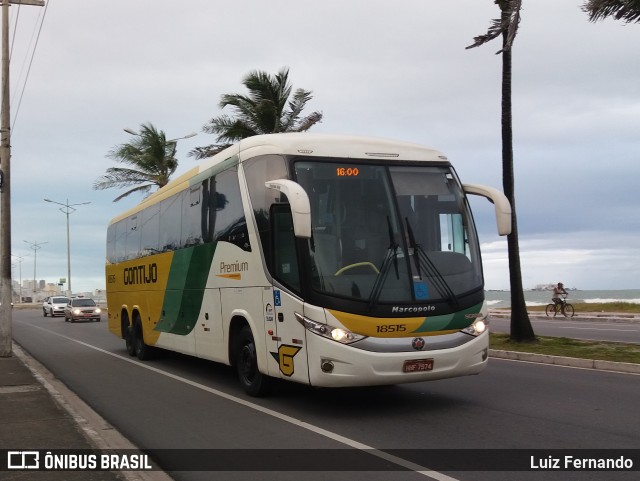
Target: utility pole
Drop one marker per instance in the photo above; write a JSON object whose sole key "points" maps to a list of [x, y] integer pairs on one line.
{"points": [[5, 185]]}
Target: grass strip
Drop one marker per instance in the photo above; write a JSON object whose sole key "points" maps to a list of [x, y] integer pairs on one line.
{"points": [[563, 346]]}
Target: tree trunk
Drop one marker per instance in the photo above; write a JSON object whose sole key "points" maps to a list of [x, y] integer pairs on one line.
{"points": [[521, 330]]}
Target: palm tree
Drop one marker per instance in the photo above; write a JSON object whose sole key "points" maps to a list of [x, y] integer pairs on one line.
{"points": [[626, 10], [151, 158], [266, 110], [507, 27]]}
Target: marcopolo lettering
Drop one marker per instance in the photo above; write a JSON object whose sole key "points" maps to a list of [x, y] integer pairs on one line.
{"points": [[415, 309], [143, 274]]}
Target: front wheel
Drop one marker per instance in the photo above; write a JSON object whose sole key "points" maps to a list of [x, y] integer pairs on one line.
{"points": [[551, 309], [568, 310], [253, 381]]}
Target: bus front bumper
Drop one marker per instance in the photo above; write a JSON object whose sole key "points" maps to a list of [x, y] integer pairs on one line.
{"points": [[332, 364]]}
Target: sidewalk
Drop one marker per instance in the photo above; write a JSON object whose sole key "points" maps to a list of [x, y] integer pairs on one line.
{"points": [[37, 412]]}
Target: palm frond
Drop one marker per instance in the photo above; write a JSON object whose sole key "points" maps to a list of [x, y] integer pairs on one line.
{"points": [[625, 10], [308, 122], [267, 108], [150, 158], [507, 23], [142, 189], [200, 153]]}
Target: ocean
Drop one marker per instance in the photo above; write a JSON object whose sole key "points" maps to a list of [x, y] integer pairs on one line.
{"points": [[537, 298]]}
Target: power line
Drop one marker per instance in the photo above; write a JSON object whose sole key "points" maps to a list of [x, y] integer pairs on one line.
{"points": [[15, 29], [33, 53]]}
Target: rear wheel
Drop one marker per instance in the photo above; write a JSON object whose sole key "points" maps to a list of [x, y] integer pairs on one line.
{"points": [[143, 351], [253, 381], [127, 334]]}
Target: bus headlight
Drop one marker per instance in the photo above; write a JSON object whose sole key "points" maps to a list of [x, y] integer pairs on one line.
{"points": [[337, 334], [477, 327]]}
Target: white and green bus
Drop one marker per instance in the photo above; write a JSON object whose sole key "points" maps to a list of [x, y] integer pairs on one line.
{"points": [[325, 260]]}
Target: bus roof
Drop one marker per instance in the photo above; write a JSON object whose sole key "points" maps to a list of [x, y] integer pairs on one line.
{"points": [[303, 143]]}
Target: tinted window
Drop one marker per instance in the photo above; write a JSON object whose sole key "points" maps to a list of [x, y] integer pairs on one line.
{"points": [[257, 172], [133, 238], [149, 226], [170, 223], [230, 224], [191, 214]]}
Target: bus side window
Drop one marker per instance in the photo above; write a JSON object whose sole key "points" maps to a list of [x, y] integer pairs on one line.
{"points": [[170, 223], [120, 249], [132, 242], [257, 171], [150, 230], [191, 208], [111, 243], [285, 261]]}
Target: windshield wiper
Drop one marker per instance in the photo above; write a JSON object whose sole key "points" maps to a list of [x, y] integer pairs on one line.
{"points": [[390, 256], [420, 257]]}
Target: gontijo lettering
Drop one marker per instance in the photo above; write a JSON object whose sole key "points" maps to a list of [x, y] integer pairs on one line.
{"points": [[142, 274]]}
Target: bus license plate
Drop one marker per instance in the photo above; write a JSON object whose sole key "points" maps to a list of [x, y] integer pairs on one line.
{"points": [[418, 365]]}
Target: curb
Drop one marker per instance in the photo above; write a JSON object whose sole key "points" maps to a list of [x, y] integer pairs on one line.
{"points": [[624, 367], [95, 428]]}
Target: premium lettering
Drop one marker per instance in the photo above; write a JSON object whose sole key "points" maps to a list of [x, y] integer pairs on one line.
{"points": [[233, 267], [142, 274]]}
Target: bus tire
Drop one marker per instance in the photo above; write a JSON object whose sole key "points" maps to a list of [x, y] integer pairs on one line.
{"points": [[127, 334], [253, 381], [143, 351]]}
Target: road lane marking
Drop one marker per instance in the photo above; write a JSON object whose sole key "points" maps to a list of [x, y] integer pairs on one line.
{"points": [[270, 412]]}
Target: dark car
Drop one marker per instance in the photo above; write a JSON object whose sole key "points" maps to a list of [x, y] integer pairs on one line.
{"points": [[54, 306], [81, 308]]}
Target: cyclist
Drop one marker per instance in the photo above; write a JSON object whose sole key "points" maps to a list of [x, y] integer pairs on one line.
{"points": [[557, 291]]}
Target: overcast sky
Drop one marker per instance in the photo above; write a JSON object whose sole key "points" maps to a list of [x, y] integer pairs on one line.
{"points": [[388, 69]]}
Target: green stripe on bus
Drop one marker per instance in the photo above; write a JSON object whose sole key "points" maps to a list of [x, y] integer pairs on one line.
{"points": [[455, 320], [185, 289]]}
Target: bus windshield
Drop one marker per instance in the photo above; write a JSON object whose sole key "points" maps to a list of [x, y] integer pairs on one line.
{"points": [[389, 234]]}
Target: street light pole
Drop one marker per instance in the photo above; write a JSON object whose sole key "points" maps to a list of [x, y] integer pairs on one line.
{"points": [[67, 209], [20, 259], [35, 246]]}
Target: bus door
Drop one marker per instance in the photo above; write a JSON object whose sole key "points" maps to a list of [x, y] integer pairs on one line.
{"points": [[287, 345]]}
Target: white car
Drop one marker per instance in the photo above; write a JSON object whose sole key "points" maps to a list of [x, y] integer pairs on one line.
{"points": [[54, 306]]}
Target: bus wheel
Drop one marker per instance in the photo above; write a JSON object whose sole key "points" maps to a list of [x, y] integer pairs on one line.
{"points": [[253, 381], [143, 351], [127, 332]]}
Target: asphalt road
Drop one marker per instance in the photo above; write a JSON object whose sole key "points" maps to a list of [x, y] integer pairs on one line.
{"points": [[601, 330], [177, 402]]}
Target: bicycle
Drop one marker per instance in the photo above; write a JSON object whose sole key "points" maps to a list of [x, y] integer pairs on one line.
{"points": [[562, 307]]}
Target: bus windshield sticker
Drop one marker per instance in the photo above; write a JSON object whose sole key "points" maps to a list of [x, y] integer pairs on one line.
{"points": [[421, 290], [276, 298]]}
